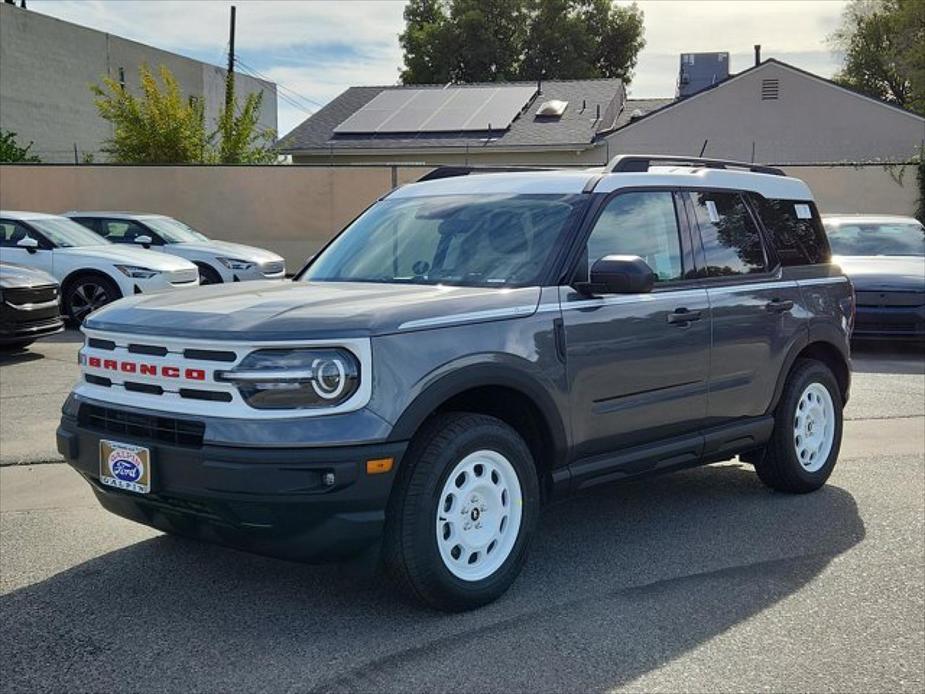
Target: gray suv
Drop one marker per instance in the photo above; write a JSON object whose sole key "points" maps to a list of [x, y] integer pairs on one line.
{"points": [[468, 349]]}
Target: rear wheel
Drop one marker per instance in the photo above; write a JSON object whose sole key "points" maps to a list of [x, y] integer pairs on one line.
{"points": [[807, 431], [463, 512], [87, 293]]}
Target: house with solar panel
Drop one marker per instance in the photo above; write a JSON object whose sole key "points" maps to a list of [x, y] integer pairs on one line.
{"points": [[771, 112]]}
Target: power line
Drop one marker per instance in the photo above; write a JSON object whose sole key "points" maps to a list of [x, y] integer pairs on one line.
{"points": [[281, 91], [255, 73]]}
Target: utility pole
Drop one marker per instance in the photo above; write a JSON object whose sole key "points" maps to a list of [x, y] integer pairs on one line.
{"points": [[229, 79]]}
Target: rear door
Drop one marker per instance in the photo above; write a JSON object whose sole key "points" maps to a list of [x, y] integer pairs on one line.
{"points": [[756, 311], [637, 364]]}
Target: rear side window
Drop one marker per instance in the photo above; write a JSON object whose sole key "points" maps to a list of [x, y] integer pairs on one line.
{"points": [[731, 240], [794, 229]]}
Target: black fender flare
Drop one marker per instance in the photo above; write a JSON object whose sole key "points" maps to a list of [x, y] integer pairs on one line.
{"points": [[506, 373], [819, 333]]}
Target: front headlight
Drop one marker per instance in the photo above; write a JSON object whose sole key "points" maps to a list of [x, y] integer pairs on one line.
{"points": [[235, 263], [274, 379], [137, 272]]}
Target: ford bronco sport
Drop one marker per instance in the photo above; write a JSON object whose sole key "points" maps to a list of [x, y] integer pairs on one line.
{"points": [[468, 348]]}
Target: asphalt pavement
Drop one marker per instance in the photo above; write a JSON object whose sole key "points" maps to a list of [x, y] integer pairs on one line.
{"points": [[699, 581]]}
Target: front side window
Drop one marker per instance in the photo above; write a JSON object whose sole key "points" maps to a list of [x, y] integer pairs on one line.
{"points": [[731, 241], [464, 240], [64, 233], [890, 238], [11, 233], [794, 229], [644, 224], [123, 230]]}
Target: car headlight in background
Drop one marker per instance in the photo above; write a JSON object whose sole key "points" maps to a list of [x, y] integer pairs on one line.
{"points": [[137, 272], [272, 379], [235, 263]]}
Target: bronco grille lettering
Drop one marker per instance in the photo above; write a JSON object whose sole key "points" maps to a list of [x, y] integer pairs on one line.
{"points": [[131, 367]]}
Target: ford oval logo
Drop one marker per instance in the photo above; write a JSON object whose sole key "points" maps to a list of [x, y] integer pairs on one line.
{"points": [[125, 470]]}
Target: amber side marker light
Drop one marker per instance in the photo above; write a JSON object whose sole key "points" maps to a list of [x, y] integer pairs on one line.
{"points": [[379, 465]]}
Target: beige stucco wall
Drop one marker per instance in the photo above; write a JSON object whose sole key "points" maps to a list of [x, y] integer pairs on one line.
{"points": [[812, 121], [293, 210]]}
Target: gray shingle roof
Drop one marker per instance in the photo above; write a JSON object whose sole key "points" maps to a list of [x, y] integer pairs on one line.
{"points": [[644, 105], [576, 128]]}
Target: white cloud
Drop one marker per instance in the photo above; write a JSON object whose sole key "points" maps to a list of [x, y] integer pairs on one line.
{"points": [[320, 48]]}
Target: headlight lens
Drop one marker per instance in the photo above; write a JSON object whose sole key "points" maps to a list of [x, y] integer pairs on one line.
{"points": [[274, 379], [137, 272], [235, 263]]}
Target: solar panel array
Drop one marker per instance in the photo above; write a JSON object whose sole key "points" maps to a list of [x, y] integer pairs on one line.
{"points": [[439, 110]]}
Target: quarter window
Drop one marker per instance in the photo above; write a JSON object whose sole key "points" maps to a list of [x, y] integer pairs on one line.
{"points": [[731, 241], [794, 229], [644, 224]]}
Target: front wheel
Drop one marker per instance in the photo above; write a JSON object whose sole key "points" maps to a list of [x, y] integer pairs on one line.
{"points": [[463, 512], [807, 431], [86, 293]]}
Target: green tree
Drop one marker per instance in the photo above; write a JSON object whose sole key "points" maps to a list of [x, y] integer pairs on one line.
{"points": [[883, 42], [12, 153], [162, 126], [489, 40]]}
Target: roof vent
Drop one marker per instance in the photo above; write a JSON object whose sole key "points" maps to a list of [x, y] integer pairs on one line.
{"points": [[637, 113], [554, 107], [770, 89]]}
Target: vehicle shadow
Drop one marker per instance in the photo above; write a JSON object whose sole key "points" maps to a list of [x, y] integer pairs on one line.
{"points": [[34, 351], [621, 580], [23, 356], [888, 357]]}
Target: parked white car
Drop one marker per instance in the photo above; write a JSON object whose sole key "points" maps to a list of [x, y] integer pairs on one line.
{"points": [[218, 261], [92, 271]]}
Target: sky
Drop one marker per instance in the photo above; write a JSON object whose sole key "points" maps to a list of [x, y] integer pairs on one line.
{"points": [[315, 49]]}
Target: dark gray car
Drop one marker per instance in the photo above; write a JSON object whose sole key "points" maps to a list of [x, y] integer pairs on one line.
{"points": [[466, 350]]}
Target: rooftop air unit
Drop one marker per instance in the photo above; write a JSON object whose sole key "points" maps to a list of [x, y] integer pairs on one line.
{"points": [[701, 70]]}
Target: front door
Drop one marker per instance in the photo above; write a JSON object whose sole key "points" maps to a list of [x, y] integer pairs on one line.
{"points": [[638, 363], [11, 233]]}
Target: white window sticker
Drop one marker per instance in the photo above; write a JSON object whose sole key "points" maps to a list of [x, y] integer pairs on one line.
{"points": [[712, 211], [803, 211]]}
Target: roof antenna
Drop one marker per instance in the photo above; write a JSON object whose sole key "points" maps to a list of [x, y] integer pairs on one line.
{"points": [[704, 148], [584, 105], [598, 116]]}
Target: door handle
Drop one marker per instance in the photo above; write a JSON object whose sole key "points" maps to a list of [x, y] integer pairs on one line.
{"points": [[682, 316], [778, 306]]}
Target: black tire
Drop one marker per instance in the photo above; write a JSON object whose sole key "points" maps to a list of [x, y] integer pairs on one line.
{"points": [[208, 274], [779, 465], [410, 549], [94, 288], [9, 347]]}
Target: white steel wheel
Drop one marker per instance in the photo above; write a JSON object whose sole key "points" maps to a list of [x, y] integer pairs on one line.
{"points": [[479, 514], [814, 427]]}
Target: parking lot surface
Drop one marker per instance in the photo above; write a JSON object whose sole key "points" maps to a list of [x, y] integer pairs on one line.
{"points": [[699, 581]]}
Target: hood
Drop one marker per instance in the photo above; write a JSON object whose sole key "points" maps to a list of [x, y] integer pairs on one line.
{"points": [[884, 272], [126, 255], [229, 250], [14, 276], [267, 310]]}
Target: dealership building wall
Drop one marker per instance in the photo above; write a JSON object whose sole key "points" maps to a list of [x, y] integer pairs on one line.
{"points": [[46, 69], [294, 210]]}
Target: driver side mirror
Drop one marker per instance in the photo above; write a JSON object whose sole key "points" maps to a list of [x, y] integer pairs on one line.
{"points": [[144, 240], [29, 243], [619, 274]]}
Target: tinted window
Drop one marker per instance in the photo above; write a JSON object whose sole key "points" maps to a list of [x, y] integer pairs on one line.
{"points": [[643, 224], [122, 230], [11, 233], [467, 240], [794, 229], [89, 222], [885, 238], [63, 233], [731, 242]]}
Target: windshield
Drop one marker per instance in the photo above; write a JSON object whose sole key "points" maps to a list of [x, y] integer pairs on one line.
{"points": [[63, 233], [464, 240], [173, 230], [880, 238]]}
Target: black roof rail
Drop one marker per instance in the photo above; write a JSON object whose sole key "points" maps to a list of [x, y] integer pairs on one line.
{"points": [[452, 171], [637, 163]]}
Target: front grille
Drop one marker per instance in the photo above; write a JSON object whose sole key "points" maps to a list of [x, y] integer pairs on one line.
{"points": [[178, 432], [30, 295], [897, 299]]}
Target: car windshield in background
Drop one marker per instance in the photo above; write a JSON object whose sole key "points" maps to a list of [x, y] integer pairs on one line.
{"points": [[899, 238], [484, 241], [64, 233], [174, 231]]}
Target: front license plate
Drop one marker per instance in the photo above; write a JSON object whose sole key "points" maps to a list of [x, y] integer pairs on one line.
{"points": [[125, 466]]}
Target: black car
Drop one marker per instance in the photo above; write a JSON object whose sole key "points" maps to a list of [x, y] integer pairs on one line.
{"points": [[29, 306], [885, 258]]}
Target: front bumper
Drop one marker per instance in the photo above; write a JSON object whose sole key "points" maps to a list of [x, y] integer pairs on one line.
{"points": [[298, 503], [16, 331], [890, 322]]}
